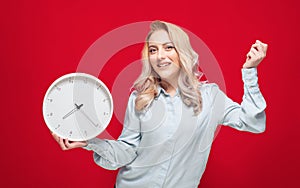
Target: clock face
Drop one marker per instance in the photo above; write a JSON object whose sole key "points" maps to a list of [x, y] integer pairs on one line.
{"points": [[77, 106]]}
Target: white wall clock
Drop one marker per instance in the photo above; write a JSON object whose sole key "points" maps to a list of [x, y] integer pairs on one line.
{"points": [[77, 106]]}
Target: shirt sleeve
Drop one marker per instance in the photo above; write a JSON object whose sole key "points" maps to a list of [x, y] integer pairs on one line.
{"points": [[250, 114], [113, 154]]}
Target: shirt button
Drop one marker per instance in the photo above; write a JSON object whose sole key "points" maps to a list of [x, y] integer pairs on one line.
{"points": [[239, 124]]}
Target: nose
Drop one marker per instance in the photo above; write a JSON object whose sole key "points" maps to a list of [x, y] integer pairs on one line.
{"points": [[161, 54]]}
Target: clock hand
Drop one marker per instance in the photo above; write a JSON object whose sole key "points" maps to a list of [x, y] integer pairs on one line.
{"points": [[78, 106], [72, 111], [88, 118], [69, 113]]}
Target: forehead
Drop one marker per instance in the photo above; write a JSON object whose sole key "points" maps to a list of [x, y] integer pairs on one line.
{"points": [[160, 36]]}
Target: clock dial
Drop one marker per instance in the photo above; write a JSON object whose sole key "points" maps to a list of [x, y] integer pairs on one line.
{"points": [[77, 106]]}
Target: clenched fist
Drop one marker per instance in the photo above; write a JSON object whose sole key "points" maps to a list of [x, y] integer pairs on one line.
{"points": [[256, 54]]}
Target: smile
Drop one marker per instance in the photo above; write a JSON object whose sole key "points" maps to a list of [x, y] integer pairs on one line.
{"points": [[164, 64]]}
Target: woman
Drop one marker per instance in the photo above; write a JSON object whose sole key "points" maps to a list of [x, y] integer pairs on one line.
{"points": [[171, 117]]}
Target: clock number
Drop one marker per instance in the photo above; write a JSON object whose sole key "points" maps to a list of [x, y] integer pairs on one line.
{"points": [[85, 81], [99, 86], [104, 100], [85, 133], [50, 114], [105, 113], [70, 133], [50, 100], [58, 88], [57, 126], [71, 80]]}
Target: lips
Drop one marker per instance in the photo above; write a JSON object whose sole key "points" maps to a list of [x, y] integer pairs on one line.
{"points": [[163, 64]]}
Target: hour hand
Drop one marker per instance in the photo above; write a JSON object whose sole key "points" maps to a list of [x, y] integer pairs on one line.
{"points": [[77, 107]]}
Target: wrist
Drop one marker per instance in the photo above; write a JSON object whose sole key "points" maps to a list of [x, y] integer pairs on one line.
{"points": [[248, 67]]}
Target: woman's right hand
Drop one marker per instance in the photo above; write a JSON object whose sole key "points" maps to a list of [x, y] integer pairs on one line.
{"points": [[65, 144], [256, 54]]}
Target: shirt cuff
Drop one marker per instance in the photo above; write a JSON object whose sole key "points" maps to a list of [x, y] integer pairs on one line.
{"points": [[249, 76], [95, 143]]}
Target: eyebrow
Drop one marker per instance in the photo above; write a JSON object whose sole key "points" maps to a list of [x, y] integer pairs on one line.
{"points": [[152, 45]]}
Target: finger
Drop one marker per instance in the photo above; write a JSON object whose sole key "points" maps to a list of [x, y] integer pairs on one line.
{"points": [[67, 143], [264, 45], [260, 53], [265, 48], [80, 144], [62, 144], [257, 48], [249, 56], [71, 145], [56, 138], [258, 41], [75, 144], [255, 45], [254, 51], [260, 48]]}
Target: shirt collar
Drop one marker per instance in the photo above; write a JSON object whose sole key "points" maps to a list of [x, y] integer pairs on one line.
{"points": [[162, 90]]}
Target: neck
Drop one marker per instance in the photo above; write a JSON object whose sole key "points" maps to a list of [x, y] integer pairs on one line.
{"points": [[170, 88]]}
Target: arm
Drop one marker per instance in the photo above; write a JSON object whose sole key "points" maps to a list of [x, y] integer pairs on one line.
{"points": [[113, 154], [250, 115]]}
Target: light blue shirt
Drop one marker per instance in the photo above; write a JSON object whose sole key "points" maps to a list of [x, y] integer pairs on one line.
{"points": [[167, 146]]}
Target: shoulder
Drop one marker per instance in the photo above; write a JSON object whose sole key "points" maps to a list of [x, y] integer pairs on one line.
{"points": [[132, 96], [130, 107], [211, 93], [209, 88]]}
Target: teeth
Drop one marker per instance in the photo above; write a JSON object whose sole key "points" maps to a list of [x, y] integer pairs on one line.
{"points": [[163, 64]]}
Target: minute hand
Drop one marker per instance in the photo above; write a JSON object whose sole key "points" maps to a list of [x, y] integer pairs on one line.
{"points": [[88, 118]]}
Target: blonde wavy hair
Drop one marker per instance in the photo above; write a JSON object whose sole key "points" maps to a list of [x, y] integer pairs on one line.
{"points": [[188, 81]]}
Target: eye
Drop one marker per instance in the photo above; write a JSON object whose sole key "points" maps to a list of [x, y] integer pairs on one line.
{"points": [[169, 48], [152, 50]]}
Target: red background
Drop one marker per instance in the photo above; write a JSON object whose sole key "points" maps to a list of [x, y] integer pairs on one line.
{"points": [[42, 40]]}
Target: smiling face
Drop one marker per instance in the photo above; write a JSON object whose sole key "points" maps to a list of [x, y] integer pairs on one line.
{"points": [[163, 57]]}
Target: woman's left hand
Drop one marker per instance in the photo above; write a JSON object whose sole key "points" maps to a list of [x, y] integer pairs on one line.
{"points": [[256, 54], [66, 144]]}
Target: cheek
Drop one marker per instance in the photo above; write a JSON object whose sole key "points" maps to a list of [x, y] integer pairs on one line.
{"points": [[152, 60], [175, 58]]}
